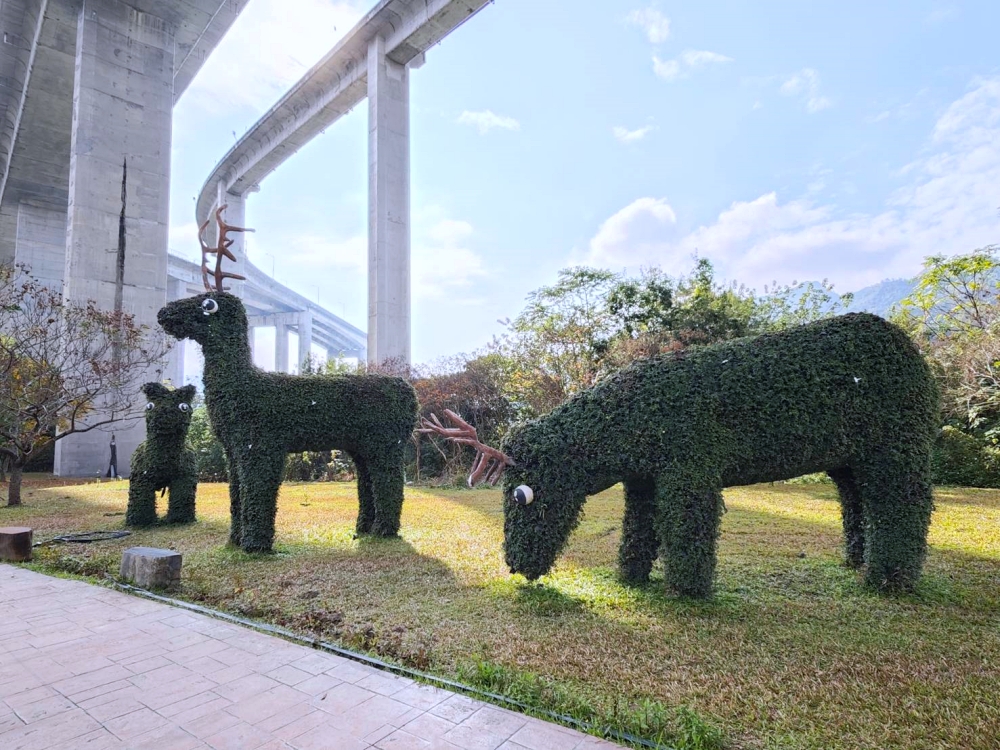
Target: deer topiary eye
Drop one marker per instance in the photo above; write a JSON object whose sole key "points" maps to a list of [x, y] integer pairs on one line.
{"points": [[524, 495], [183, 407], [150, 405], [209, 306]]}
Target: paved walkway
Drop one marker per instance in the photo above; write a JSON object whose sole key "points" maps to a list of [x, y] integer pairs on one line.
{"points": [[87, 668]]}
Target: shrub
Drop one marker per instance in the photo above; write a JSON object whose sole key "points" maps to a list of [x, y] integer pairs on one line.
{"points": [[962, 459]]}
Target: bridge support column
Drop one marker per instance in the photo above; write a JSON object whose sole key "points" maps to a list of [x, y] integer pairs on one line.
{"points": [[388, 208], [175, 358], [280, 347], [235, 215], [122, 107], [305, 337]]}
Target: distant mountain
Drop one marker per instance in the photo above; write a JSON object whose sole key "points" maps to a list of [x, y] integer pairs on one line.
{"points": [[881, 298]]}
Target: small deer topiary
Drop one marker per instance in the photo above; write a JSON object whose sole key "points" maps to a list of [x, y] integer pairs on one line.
{"points": [[163, 462], [850, 396], [260, 417]]}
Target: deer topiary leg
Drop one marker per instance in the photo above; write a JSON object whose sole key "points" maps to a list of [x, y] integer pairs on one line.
{"points": [[387, 483], [640, 539], [180, 508], [141, 509], [689, 526], [260, 478], [897, 496], [235, 499], [852, 514], [366, 497]]}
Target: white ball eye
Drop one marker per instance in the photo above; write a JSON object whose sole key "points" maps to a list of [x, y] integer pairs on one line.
{"points": [[209, 306], [524, 495], [183, 407], [150, 405]]}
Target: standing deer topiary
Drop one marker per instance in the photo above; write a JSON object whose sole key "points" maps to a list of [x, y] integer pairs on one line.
{"points": [[850, 396], [163, 461], [260, 417]]}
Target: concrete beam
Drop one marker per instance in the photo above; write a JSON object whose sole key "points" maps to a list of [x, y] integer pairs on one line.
{"points": [[281, 348]]}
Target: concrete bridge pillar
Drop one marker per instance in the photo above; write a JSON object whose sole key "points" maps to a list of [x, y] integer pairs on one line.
{"points": [[280, 347], [235, 215], [388, 208], [305, 337], [176, 289], [122, 102]]}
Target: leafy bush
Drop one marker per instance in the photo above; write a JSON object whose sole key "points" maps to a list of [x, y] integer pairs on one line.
{"points": [[962, 459], [211, 459]]}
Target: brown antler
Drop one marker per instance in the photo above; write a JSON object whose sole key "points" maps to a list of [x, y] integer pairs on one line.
{"points": [[488, 460], [221, 250]]}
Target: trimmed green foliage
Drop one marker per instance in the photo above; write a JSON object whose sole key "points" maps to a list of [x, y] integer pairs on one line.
{"points": [[850, 396], [960, 459], [260, 417], [163, 461]]}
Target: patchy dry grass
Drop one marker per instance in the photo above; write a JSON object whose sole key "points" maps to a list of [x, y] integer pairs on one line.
{"points": [[791, 653]]}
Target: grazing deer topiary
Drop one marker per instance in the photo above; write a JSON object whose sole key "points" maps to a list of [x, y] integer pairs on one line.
{"points": [[260, 417], [850, 396], [163, 462]]}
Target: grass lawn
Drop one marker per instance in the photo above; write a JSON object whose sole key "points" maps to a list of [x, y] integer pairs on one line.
{"points": [[791, 653]]}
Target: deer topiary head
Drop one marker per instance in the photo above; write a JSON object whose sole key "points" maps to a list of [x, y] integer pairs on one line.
{"points": [[214, 319]]}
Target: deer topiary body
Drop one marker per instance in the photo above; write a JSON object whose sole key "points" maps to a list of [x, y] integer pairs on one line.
{"points": [[850, 396], [163, 462], [260, 417]]}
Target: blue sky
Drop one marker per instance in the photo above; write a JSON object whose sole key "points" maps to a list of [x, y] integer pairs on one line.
{"points": [[783, 140]]}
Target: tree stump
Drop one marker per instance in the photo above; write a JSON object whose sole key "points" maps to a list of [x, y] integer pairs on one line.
{"points": [[151, 568], [15, 544]]}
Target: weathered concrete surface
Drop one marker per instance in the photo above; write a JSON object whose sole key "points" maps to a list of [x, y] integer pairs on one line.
{"points": [[82, 666], [151, 568], [15, 543]]}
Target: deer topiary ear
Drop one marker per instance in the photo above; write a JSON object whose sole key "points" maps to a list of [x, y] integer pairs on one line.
{"points": [[187, 393], [155, 390]]}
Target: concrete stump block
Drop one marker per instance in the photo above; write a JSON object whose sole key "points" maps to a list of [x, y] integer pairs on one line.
{"points": [[15, 544], [148, 567]]}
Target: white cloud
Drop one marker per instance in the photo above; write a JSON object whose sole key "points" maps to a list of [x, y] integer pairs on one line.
{"points": [[182, 240], [268, 49], [624, 135], [948, 206], [653, 22], [805, 83], [486, 121], [443, 265], [688, 61]]}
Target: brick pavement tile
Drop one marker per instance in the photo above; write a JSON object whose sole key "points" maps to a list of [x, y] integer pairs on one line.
{"points": [[9, 722], [27, 697], [401, 721], [327, 736], [188, 702], [289, 675], [495, 721], [456, 709], [508, 745], [161, 676], [241, 736], [402, 740], [469, 738], [172, 738], [300, 726], [196, 651], [321, 683], [175, 691], [78, 665], [207, 666], [189, 715], [43, 709], [284, 717], [379, 734], [99, 739], [246, 687], [230, 673], [536, 735], [341, 698], [114, 709], [209, 724], [428, 726], [42, 735], [315, 663], [75, 686], [384, 683], [137, 722], [267, 704], [349, 671], [595, 743], [139, 666], [423, 697], [115, 692]]}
